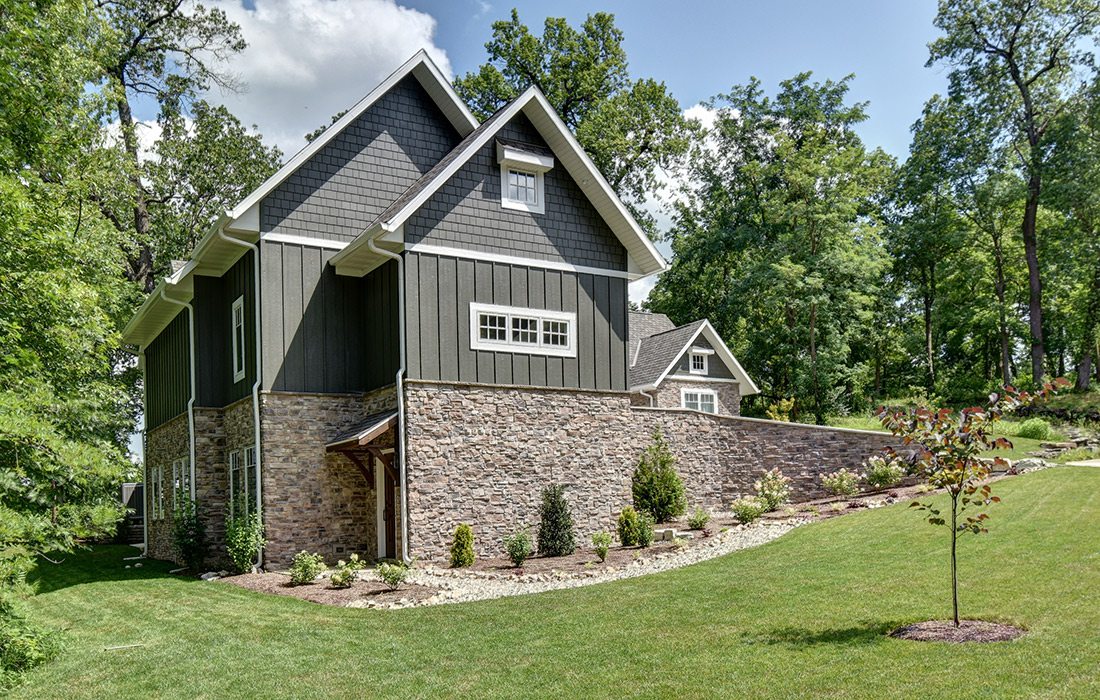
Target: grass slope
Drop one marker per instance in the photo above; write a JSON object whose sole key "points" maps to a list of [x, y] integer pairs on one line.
{"points": [[804, 616], [1021, 447]]}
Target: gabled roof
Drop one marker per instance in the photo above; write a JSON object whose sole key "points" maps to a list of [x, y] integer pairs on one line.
{"points": [[658, 354], [643, 324], [643, 258], [366, 430], [214, 254]]}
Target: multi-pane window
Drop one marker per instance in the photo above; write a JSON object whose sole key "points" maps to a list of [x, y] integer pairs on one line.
{"points": [[238, 339], [529, 331], [156, 493], [700, 400], [522, 187], [181, 481], [698, 363], [242, 480]]}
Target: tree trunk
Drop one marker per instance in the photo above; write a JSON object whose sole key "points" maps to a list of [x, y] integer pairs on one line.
{"points": [[928, 299], [1002, 315], [1089, 330], [1034, 283], [954, 566], [139, 257]]}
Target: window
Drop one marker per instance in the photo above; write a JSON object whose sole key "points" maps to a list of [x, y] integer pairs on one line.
{"points": [[181, 481], [242, 480], [238, 339], [522, 171], [156, 493], [529, 331], [698, 363], [699, 400]]}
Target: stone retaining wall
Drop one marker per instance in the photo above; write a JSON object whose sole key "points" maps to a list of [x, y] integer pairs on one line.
{"points": [[482, 455]]}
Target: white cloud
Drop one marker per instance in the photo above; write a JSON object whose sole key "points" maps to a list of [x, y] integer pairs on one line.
{"points": [[309, 59]]}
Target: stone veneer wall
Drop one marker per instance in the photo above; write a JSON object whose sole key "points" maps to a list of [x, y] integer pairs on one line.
{"points": [[481, 455], [163, 445], [667, 395], [313, 499]]}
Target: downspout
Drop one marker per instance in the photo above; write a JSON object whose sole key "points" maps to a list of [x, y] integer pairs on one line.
{"points": [[259, 374], [398, 380], [648, 396], [144, 453], [190, 401]]}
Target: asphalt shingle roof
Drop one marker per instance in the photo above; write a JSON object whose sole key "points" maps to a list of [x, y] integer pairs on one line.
{"points": [[656, 352]]}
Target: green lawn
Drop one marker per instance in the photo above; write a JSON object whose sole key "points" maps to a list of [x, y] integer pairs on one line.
{"points": [[804, 616], [1021, 447]]}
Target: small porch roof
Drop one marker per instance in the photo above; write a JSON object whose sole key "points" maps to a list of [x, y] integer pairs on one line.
{"points": [[371, 427]]}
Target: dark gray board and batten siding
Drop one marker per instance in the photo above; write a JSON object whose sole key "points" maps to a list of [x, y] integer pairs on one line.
{"points": [[439, 290], [167, 373], [348, 182], [324, 332]]}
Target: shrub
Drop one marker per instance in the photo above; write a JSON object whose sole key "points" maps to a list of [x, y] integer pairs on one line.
{"points": [[635, 529], [189, 535], [393, 574], [841, 482], [244, 536], [23, 646], [747, 509], [698, 519], [462, 549], [601, 542], [1034, 429], [882, 472], [656, 486], [780, 410], [305, 568], [344, 575], [518, 547], [555, 523], [773, 489]]}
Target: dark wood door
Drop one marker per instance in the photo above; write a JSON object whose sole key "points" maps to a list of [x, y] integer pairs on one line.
{"points": [[389, 516]]}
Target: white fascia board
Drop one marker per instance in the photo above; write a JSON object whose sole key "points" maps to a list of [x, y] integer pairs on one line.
{"points": [[424, 70], [747, 385]]}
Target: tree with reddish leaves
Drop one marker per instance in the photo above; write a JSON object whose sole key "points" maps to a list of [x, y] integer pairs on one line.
{"points": [[947, 455]]}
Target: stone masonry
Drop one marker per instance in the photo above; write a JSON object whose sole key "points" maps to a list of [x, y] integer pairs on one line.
{"points": [[313, 499], [667, 395], [481, 455], [163, 445]]}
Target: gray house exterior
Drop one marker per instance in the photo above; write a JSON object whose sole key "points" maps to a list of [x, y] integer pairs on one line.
{"points": [[421, 320]]}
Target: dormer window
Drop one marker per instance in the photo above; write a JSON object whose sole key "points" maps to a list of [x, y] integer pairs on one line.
{"points": [[698, 360], [522, 170]]}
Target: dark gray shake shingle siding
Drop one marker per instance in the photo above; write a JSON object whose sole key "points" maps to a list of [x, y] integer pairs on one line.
{"points": [[345, 185], [439, 291], [213, 303], [324, 332], [466, 213], [167, 373], [715, 366]]}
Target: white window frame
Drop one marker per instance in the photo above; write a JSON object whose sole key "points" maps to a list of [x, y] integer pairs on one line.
{"points": [[241, 463], [699, 394], [520, 161], [512, 313], [236, 319], [156, 493], [181, 480], [703, 357]]}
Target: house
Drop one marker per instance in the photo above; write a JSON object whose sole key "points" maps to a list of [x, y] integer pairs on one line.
{"points": [[687, 366], [422, 320]]}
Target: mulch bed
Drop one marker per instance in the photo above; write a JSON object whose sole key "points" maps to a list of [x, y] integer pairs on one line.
{"points": [[584, 559], [967, 631], [322, 592]]}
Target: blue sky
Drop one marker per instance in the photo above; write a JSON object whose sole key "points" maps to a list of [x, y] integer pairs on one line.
{"points": [[702, 48]]}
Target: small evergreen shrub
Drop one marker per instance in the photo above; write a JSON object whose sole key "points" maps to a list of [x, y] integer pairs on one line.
{"points": [[747, 509], [305, 568], [881, 472], [244, 537], [462, 549], [841, 482], [189, 535], [555, 523], [519, 547], [656, 487], [1034, 429], [698, 519], [601, 542], [773, 489], [635, 529], [345, 572], [393, 574]]}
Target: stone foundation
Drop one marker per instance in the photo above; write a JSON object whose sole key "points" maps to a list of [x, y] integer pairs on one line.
{"points": [[668, 395], [163, 445], [481, 455], [313, 499]]}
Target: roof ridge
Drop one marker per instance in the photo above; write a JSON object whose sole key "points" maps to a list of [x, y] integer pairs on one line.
{"points": [[677, 328]]}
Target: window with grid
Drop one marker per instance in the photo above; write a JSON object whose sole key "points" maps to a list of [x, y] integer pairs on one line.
{"points": [[529, 331], [181, 481], [700, 401], [238, 487], [238, 339], [698, 363], [522, 187]]}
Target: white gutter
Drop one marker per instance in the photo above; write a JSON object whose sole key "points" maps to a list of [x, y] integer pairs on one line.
{"points": [[259, 374], [190, 401], [398, 380]]}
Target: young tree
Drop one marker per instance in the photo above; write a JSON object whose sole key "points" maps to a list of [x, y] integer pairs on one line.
{"points": [[1017, 64], [948, 450], [631, 129], [656, 487]]}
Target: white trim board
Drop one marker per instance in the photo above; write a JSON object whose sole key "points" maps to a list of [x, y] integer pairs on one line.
{"points": [[721, 350], [516, 260], [304, 240]]}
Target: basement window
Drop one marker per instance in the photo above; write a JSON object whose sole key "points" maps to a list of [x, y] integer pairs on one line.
{"points": [[238, 339], [703, 400], [521, 330]]}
